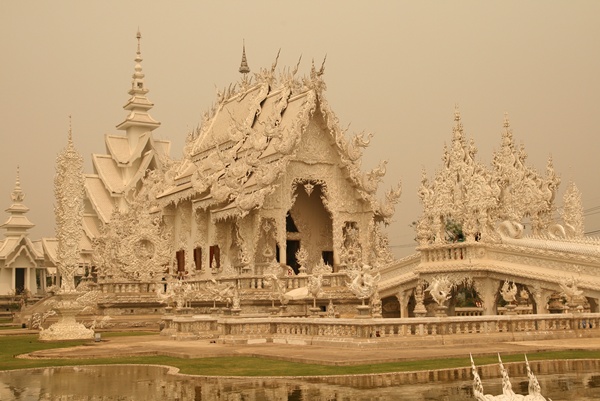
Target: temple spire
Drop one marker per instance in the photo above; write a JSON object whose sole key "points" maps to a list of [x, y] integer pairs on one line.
{"points": [[17, 223], [458, 127], [138, 120], [244, 69], [17, 194]]}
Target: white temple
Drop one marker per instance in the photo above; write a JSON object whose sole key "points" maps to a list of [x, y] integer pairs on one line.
{"points": [[269, 205], [23, 262]]}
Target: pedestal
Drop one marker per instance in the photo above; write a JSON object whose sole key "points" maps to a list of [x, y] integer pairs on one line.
{"points": [[420, 310], [441, 311], [364, 312], [314, 311], [67, 328], [235, 311], [510, 310]]}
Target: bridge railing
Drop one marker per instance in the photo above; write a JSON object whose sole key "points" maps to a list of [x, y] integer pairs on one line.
{"points": [[339, 330]]}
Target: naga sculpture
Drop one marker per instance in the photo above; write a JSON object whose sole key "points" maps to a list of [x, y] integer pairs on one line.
{"points": [[439, 289], [534, 390], [364, 281]]}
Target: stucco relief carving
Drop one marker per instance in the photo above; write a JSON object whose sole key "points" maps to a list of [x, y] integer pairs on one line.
{"points": [[68, 211], [133, 246]]}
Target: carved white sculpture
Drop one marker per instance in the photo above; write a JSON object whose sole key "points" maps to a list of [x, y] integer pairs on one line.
{"points": [[534, 390], [363, 281], [440, 288], [509, 292], [134, 246], [477, 198], [68, 189]]}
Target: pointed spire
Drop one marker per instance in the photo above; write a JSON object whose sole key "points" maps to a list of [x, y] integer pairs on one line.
{"points": [[17, 223], [70, 136], [244, 69], [137, 85], [138, 120], [458, 127], [17, 194]]}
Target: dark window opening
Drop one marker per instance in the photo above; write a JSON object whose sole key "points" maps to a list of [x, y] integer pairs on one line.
{"points": [[180, 257], [198, 258], [292, 247], [215, 257], [290, 226], [327, 257]]}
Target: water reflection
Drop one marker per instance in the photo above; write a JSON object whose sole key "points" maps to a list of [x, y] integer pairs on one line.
{"points": [[137, 382]]}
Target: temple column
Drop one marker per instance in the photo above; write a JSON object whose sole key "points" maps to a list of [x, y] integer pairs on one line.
{"points": [[487, 289], [403, 299], [28, 279], [337, 229], [541, 297]]}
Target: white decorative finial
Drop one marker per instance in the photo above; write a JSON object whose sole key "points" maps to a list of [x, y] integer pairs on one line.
{"points": [[139, 38], [17, 194], [70, 138], [456, 112], [506, 123]]}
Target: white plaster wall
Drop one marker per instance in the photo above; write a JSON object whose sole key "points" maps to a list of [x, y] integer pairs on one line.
{"points": [[6, 281]]}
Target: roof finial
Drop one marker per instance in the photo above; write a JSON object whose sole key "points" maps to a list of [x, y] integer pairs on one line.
{"points": [[458, 127], [139, 38], [17, 194], [506, 123], [70, 130], [137, 84], [244, 69], [322, 70], [456, 112]]}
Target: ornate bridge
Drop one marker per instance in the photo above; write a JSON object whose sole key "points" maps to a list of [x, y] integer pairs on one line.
{"points": [[542, 267]]}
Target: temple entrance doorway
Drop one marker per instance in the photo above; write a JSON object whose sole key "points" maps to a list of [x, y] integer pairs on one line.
{"points": [[19, 280], [310, 224]]}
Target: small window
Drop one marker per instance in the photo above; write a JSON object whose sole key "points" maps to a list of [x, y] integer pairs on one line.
{"points": [[198, 258], [180, 257], [215, 257]]}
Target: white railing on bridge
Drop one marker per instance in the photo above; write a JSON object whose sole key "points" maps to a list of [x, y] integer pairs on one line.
{"points": [[280, 329]]}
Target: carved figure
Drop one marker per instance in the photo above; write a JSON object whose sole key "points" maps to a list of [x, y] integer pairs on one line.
{"points": [[509, 292], [508, 394], [315, 284], [364, 282], [278, 287], [224, 292], [439, 289]]}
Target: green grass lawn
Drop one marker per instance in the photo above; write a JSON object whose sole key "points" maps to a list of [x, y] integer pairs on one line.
{"points": [[11, 346]]}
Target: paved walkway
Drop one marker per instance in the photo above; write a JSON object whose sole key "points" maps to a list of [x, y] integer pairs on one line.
{"points": [[159, 345]]}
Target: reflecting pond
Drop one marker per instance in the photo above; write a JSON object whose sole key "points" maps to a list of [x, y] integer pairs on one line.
{"points": [[559, 380]]}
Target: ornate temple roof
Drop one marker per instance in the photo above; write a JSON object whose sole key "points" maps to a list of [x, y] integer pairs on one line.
{"points": [[246, 141], [17, 242]]}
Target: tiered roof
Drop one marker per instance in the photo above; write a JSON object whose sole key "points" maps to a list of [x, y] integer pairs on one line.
{"points": [[16, 229], [118, 174]]}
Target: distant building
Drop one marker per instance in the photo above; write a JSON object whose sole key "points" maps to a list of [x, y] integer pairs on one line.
{"points": [[23, 262]]}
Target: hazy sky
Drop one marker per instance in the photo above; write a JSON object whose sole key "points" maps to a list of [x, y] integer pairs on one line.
{"points": [[393, 68]]}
